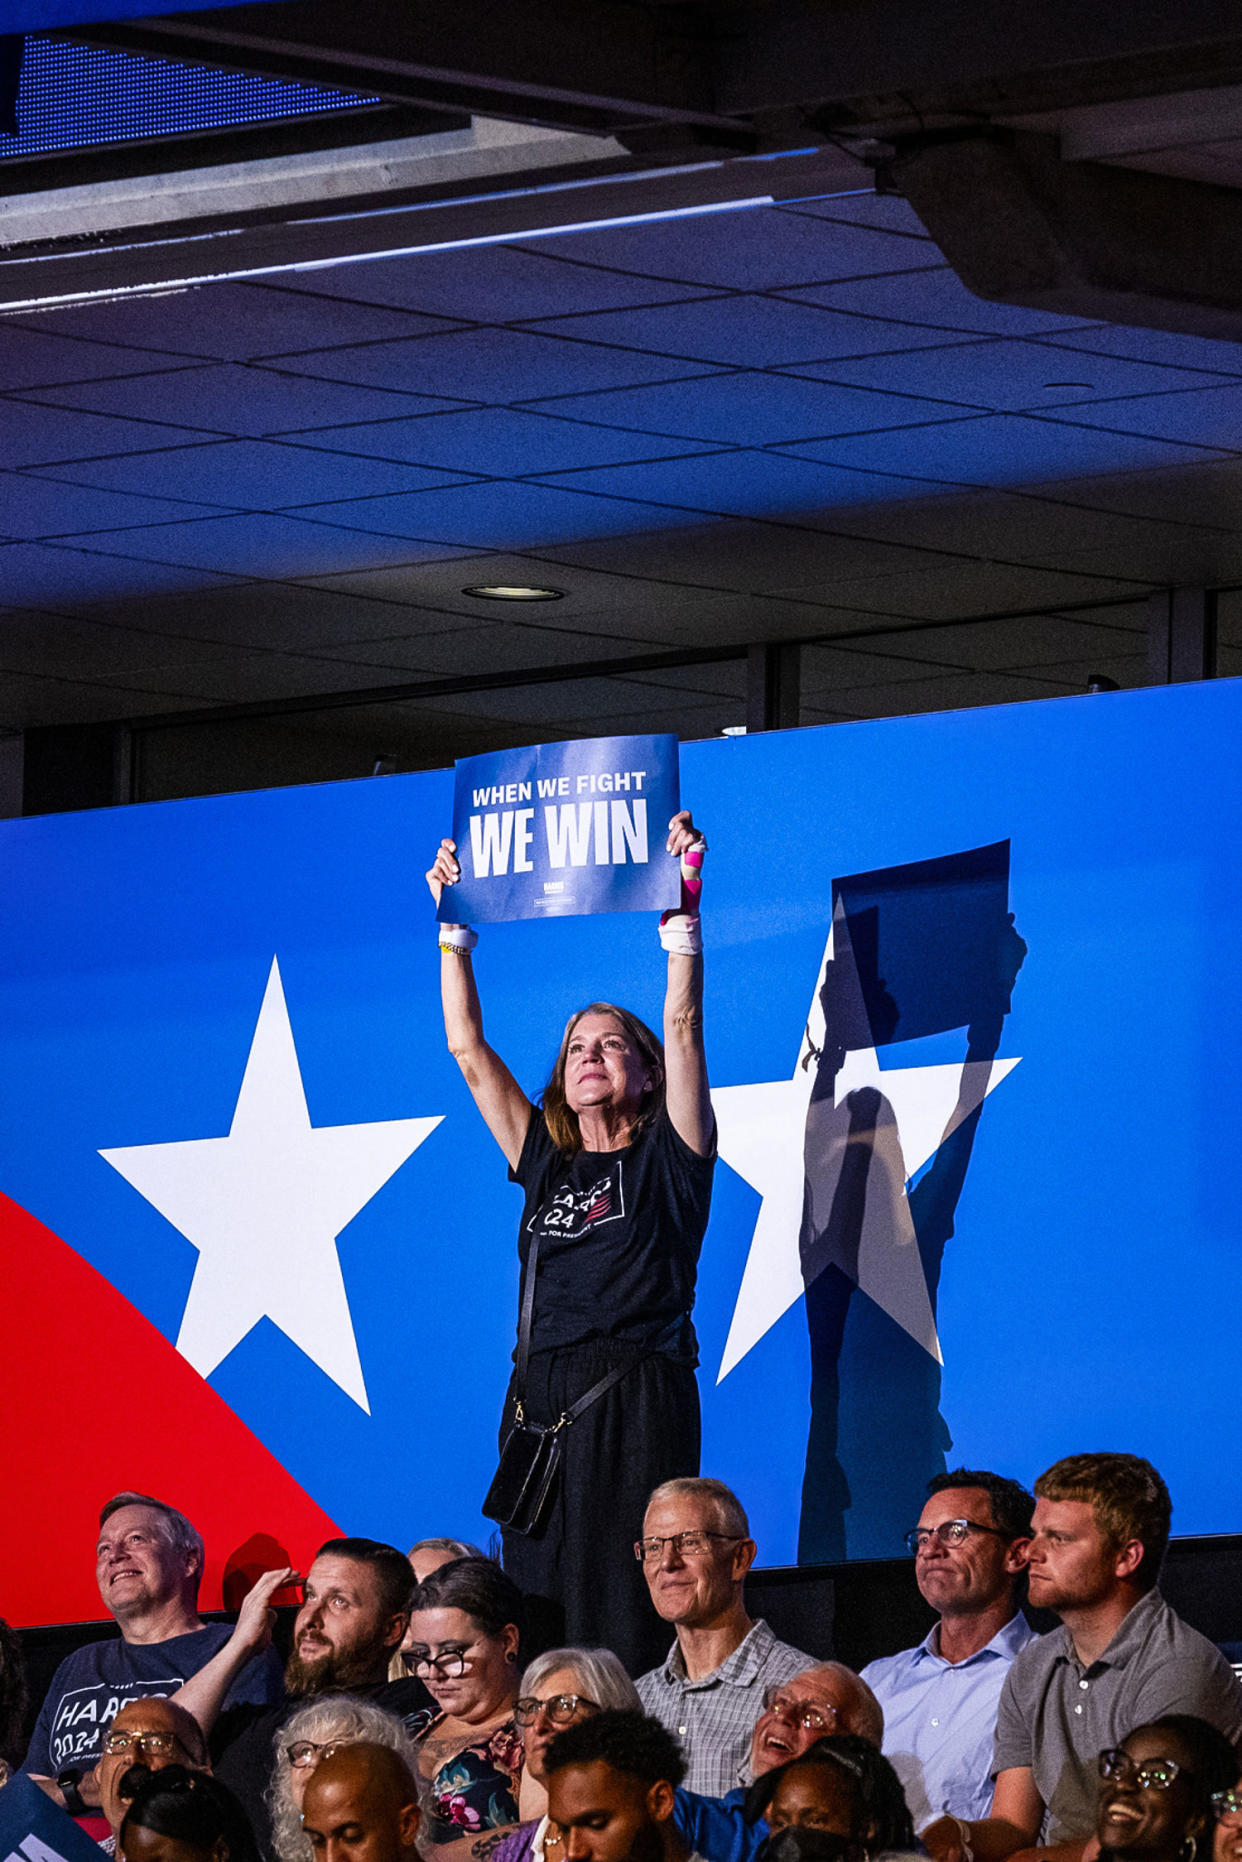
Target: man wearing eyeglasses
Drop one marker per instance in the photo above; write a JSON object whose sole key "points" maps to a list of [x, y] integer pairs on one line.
{"points": [[695, 1552], [145, 1736], [1121, 1658], [940, 1699], [827, 1699]]}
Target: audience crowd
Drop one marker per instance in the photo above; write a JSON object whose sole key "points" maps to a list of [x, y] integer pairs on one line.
{"points": [[408, 1720]]}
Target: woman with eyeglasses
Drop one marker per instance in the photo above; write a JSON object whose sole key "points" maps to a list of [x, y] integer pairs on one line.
{"points": [[615, 1161], [306, 1738], [1227, 1808], [558, 1689], [839, 1801], [1157, 1790], [465, 1634]]}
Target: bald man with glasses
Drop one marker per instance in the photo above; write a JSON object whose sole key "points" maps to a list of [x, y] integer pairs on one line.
{"points": [[695, 1551]]}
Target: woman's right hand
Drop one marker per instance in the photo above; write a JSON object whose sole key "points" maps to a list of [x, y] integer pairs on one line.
{"points": [[444, 869]]}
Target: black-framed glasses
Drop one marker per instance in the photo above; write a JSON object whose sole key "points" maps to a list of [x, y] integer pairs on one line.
{"points": [[304, 1752], [815, 1716], [685, 1544], [161, 1744], [559, 1708], [447, 1667], [1228, 1807], [1147, 1774], [948, 1532]]}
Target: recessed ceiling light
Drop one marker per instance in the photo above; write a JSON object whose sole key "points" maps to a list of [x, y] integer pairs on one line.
{"points": [[733, 730], [513, 591]]}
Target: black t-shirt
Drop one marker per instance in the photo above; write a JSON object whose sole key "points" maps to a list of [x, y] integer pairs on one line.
{"points": [[619, 1238], [243, 1744]]}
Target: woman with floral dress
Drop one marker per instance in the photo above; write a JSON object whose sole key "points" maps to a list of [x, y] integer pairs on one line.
{"points": [[465, 1632]]}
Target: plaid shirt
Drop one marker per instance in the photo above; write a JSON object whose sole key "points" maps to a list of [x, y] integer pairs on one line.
{"points": [[715, 1717]]}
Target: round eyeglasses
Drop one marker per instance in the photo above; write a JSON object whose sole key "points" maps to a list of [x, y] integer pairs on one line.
{"points": [[447, 1667], [1228, 1808], [1147, 1774], [304, 1752], [815, 1716], [559, 1708]]}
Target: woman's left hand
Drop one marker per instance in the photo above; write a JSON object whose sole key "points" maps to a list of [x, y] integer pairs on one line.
{"points": [[682, 833]]}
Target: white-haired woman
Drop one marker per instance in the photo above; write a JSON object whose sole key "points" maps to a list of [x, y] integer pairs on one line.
{"points": [[305, 1738], [558, 1689]]}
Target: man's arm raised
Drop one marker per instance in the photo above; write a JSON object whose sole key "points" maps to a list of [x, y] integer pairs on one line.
{"points": [[501, 1101], [204, 1693]]}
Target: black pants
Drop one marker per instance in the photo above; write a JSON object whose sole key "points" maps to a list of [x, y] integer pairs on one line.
{"points": [[580, 1568]]}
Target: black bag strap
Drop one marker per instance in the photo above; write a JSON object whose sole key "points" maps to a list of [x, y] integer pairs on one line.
{"points": [[525, 1318]]}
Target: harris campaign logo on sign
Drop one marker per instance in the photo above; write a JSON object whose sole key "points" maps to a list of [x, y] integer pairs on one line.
{"points": [[261, 1253]]}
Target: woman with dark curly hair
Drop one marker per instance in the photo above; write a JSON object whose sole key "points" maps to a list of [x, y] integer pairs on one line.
{"points": [[465, 1637], [616, 1165], [841, 1790]]}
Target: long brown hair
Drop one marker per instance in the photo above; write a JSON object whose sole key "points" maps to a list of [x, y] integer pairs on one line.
{"points": [[559, 1117]]}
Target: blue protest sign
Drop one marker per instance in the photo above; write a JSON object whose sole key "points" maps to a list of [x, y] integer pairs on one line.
{"points": [[34, 1829], [562, 830]]}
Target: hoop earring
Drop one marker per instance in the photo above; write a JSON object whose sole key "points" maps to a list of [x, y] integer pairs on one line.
{"points": [[1188, 1850]]}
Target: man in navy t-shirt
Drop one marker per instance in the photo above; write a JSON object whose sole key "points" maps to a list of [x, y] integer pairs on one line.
{"points": [[148, 1564]]}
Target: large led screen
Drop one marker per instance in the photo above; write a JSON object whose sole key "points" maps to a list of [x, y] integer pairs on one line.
{"points": [[971, 1026]]}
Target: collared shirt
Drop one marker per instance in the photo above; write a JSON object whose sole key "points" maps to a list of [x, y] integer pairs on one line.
{"points": [[940, 1720], [1056, 1716], [714, 1717], [717, 1826]]}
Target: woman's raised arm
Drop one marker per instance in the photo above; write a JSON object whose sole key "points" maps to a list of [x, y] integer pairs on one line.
{"points": [[503, 1104], [688, 1096]]}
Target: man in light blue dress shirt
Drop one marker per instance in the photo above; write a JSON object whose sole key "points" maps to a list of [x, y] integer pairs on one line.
{"points": [[940, 1699]]}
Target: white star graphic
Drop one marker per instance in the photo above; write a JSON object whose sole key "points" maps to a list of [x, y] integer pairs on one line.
{"points": [[762, 1135], [265, 1205]]}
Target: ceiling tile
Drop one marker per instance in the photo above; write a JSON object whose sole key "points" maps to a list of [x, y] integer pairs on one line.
{"points": [[1205, 416], [32, 434], [256, 544], [1181, 351], [89, 649], [35, 507], [1015, 524], [998, 449], [66, 578], [888, 212], [500, 440], [756, 248], [752, 409], [233, 398], [234, 322], [261, 475], [974, 588], [742, 483], [488, 365], [742, 330], [241, 678], [748, 558], [1006, 374], [36, 355], [1009, 645], [492, 284], [295, 618], [27, 699], [1202, 491], [500, 647], [939, 299], [499, 515], [952, 692]]}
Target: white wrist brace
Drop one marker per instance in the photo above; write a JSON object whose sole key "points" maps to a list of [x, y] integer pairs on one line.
{"points": [[457, 940]]}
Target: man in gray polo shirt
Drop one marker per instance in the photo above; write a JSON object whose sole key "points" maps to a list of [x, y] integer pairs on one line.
{"points": [[696, 1549], [1120, 1659]]}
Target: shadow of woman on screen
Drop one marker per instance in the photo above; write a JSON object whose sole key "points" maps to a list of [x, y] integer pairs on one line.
{"points": [[871, 1251]]}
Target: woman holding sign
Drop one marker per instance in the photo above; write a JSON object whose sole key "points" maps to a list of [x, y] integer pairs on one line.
{"points": [[616, 1165]]}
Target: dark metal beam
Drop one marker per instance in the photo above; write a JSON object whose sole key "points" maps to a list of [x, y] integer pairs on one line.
{"points": [[1181, 635], [774, 686]]}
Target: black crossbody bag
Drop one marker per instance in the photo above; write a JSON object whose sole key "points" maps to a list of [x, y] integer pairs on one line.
{"points": [[530, 1456]]}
